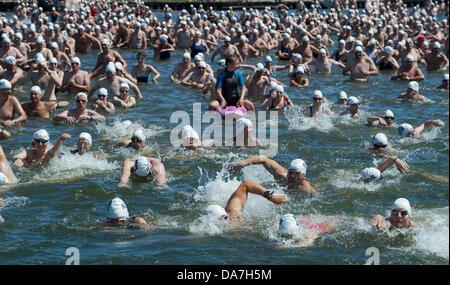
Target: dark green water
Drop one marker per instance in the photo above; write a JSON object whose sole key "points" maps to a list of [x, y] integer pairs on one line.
{"points": [[57, 206]]}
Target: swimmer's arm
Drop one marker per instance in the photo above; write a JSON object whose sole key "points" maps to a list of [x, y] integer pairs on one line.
{"points": [[16, 77], [309, 241], [418, 76], [126, 172], [333, 62], [153, 70], [294, 83], [19, 158], [238, 199], [373, 121], [122, 143], [401, 166], [426, 125], [373, 70], [93, 89], [52, 152], [445, 59], [135, 89], [266, 103], [61, 116], [378, 222], [270, 165], [17, 107], [159, 171], [24, 79], [187, 80]]}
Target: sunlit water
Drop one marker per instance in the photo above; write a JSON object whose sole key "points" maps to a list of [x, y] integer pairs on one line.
{"points": [[57, 206]]}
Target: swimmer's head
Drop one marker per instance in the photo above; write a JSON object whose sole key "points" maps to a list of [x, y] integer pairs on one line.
{"points": [[138, 136], [405, 130], [222, 63], [370, 174], [288, 226], [388, 116], [102, 93], [445, 77], [117, 210], [342, 96], [380, 141], [242, 124], [11, 60], [142, 166], [297, 171], [110, 69], [414, 86], [300, 71], [5, 87], [35, 93], [318, 96], [216, 212], [41, 139], [186, 57], [81, 96], [267, 59], [190, 136], [84, 143], [296, 57], [3, 179], [352, 101]]}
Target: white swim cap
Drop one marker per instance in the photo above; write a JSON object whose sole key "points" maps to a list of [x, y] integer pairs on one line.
{"points": [[358, 49], [18, 36], [4, 84], [105, 42], [41, 134], [227, 39], [410, 58], [222, 63], [260, 66], [189, 132], [305, 39], [271, 86], [139, 133], [81, 94], [413, 85], [3, 180], [404, 129], [36, 89], [198, 58], [142, 166], [243, 123], [300, 70], [299, 165], [279, 88], [110, 68], [296, 57], [402, 203], [352, 100], [389, 50], [216, 211], [86, 136], [380, 138], [436, 45], [358, 43], [10, 60], [342, 42], [103, 91], [118, 65], [117, 209], [370, 174], [318, 94], [445, 76], [342, 95], [388, 113], [187, 55], [288, 224], [322, 51], [202, 64], [243, 38], [268, 59], [41, 60], [39, 40], [54, 45], [53, 60]]}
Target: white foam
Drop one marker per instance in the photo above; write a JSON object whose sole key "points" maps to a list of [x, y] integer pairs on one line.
{"points": [[298, 121]]}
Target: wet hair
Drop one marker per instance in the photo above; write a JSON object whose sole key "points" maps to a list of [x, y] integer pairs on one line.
{"points": [[229, 59], [141, 54]]}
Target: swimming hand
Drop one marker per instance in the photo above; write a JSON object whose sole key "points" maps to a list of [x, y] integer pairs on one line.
{"points": [[401, 166], [278, 199], [378, 221], [18, 162], [64, 137]]}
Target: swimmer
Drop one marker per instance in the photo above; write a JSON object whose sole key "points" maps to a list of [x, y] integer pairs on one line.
{"points": [[353, 107], [435, 60], [102, 104], [289, 225], [374, 173], [316, 108], [200, 78], [163, 47], [444, 84], [9, 106], [80, 113], [236, 202], [400, 216], [106, 56], [380, 145], [409, 71], [276, 99], [257, 82], [406, 130], [294, 177], [137, 141], [412, 93], [245, 134], [112, 83], [387, 120], [12, 73], [299, 79], [143, 72], [84, 145], [124, 99], [143, 166], [227, 49], [361, 68], [191, 140], [117, 215], [39, 153], [323, 64], [386, 61], [76, 80], [341, 98], [39, 108], [182, 69], [5, 173]]}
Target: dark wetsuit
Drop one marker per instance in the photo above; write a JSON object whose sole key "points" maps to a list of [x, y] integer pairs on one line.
{"points": [[230, 83], [385, 65], [195, 49]]}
